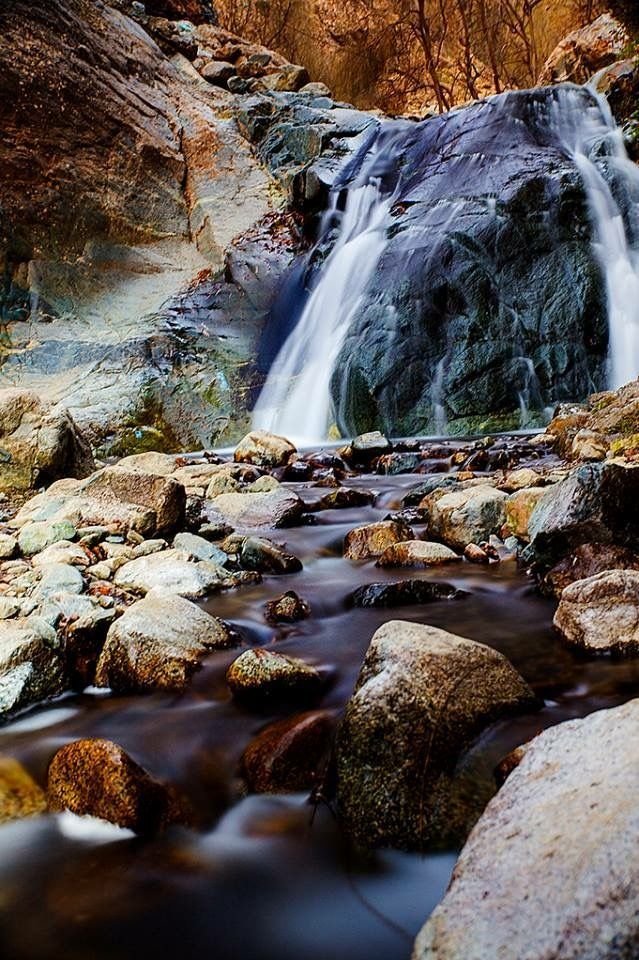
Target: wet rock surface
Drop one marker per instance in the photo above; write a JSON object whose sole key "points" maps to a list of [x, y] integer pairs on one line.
{"points": [[289, 755], [259, 675]]}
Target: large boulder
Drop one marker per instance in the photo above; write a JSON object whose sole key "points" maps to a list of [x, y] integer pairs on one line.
{"points": [[550, 868], [118, 499], [421, 698], [158, 643], [39, 443], [465, 516], [601, 614]]}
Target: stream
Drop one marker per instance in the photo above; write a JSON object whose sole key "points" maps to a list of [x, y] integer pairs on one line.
{"points": [[268, 877]]}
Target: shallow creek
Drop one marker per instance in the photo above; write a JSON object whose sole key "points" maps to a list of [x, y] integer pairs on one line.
{"points": [[266, 877]]}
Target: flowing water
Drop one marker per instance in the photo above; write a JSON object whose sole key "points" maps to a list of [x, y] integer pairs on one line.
{"points": [[296, 398], [262, 878], [611, 181]]}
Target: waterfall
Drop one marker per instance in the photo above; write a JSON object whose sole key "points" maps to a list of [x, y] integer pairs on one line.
{"points": [[295, 400], [446, 172], [594, 141]]}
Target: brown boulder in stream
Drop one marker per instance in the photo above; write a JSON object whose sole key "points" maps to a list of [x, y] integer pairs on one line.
{"points": [[97, 778], [290, 754], [421, 698], [373, 539]]}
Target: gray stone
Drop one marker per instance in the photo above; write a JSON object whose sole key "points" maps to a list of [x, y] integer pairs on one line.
{"points": [[31, 668], [158, 643], [8, 546], [275, 508], [601, 614], [550, 868], [421, 698], [35, 537], [58, 578], [199, 548], [172, 571]]}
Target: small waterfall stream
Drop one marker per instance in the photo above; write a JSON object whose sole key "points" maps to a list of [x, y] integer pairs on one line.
{"points": [[589, 136], [296, 398]]}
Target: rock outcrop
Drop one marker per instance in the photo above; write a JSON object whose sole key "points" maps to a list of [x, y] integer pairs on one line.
{"points": [[549, 869], [39, 443], [422, 696], [585, 51]]}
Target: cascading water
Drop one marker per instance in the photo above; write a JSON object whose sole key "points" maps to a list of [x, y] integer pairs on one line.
{"points": [[590, 135], [295, 400], [419, 307]]}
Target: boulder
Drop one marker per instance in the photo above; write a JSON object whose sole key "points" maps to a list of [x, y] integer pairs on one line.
{"points": [[585, 51], [172, 571], [158, 643], [596, 503], [20, 795], [465, 516], [523, 478], [373, 539], [31, 668], [118, 499], [274, 508], [346, 498], [421, 698], [417, 553], [62, 552], [260, 676], [97, 778], [264, 449], [38, 442], [289, 755], [549, 870], [601, 614], [401, 593], [199, 548], [58, 578], [35, 537], [289, 608], [586, 561]]}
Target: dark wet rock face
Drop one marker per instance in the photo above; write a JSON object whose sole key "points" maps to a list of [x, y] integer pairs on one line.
{"points": [[489, 221]]}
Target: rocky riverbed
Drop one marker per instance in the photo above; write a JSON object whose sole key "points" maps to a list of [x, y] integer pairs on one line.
{"points": [[297, 678]]}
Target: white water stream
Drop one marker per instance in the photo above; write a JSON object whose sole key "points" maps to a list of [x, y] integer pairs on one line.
{"points": [[295, 400], [587, 135]]}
